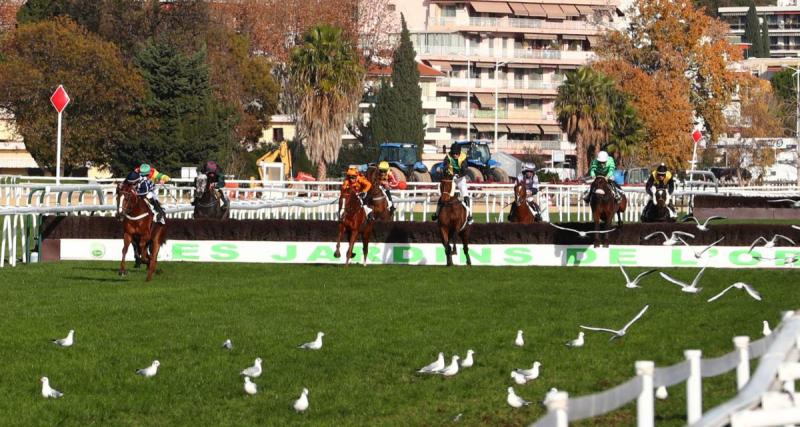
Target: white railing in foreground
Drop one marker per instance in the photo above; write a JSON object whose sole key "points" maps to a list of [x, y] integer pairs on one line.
{"points": [[777, 370]]}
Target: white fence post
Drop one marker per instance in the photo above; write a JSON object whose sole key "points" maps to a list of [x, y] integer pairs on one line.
{"points": [[694, 387], [742, 345], [645, 414], [558, 402]]}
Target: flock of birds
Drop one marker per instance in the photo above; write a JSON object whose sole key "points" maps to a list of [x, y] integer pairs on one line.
{"points": [[300, 404]]}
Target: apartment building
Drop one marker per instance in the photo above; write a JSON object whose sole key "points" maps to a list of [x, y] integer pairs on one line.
{"points": [[783, 21], [503, 62], [14, 158]]}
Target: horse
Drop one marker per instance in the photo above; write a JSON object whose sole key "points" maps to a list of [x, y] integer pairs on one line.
{"points": [[604, 206], [139, 228], [353, 222], [658, 211], [524, 212], [452, 221], [378, 200], [207, 203]]}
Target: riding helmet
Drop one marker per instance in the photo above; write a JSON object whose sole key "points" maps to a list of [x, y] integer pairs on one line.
{"points": [[661, 169], [144, 169], [455, 149], [352, 171], [528, 167], [132, 177], [383, 166], [602, 157]]}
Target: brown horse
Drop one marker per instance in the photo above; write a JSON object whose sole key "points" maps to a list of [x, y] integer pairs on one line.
{"points": [[138, 227], [522, 211], [376, 196], [604, 207], [353, 222], [452, 221], [658, 211]]}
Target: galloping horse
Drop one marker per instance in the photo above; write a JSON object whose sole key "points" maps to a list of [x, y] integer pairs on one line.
{"points": [[354, 221], [207, 204], [604, 206], [452, 220], [138, 227], [377, 196], [659, 211], [524, 212]]}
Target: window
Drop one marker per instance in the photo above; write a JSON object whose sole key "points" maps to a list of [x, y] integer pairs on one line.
{"points": [[277, 134], [449, 11], [391, 7]]}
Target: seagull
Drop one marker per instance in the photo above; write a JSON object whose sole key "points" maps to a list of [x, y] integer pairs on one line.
{"points": [[451, 369], [685, 287], [468, 361], [771, 243], [250, 387], [635, 283], [519, 378], [577, 342], [704, 225], [532, 373], [582, 233], [67, 341], [739, 285], [314, 345], [514, 400], [661, 393], [432, 368], [672, 239], [457, 418], [47, 391], [796, 227], [549, 395], [253, 371], [700, 254], [227, 345], [620, 333], [766, 330], [795, 203], [786, 260], [519, 341], [301, 404], [149, 371]]}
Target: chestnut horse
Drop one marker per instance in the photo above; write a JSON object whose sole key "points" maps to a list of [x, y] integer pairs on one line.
{"points": [[604, 207], [377, 198], [138, 227], [452, 221], [524, 212], [353, 222]]}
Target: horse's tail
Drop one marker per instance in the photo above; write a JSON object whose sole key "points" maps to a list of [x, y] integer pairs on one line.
{"points": [[160, 233]]}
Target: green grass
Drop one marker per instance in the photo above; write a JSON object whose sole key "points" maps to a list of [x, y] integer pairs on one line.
{"points": [[381, 324]]}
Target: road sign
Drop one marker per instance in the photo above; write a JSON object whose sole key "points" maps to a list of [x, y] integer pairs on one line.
{"points": [[697, 136], [60, 99]]}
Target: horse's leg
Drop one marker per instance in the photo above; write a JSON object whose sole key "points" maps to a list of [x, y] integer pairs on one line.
{"points": [[465, 242], [608, 226], [337, 254], [596, 218], [137, 257], [443, 232], [353, 237], [365, 242], [143, 250], [151, 266], [126, 241]]}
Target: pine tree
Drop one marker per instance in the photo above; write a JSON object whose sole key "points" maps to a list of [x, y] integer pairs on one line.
{"points": [[751, 31], [764, 38]]}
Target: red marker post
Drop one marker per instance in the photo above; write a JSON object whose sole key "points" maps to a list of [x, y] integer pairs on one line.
{"points": [[696, 137], [59, 99]]}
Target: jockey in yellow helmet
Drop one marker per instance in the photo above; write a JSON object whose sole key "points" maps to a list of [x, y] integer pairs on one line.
{"points": [[388, 180]]}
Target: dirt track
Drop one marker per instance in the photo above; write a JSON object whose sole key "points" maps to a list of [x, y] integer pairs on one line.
{"points": [[403, 232]]}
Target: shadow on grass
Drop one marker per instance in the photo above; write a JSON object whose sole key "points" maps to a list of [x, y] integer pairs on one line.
{"points": [[115, 279]]}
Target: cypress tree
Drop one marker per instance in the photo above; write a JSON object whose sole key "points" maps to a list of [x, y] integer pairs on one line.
{"points": [[764, 38], [752, 32]]}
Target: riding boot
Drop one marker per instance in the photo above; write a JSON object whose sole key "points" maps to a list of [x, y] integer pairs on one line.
{"points": [[587, 195], [225, 202], [161, 215], [435, 216], [389, 198], [468, 205], [513, 215]]}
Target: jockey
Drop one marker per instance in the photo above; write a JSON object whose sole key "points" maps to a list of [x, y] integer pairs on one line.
{"points": [[455, 165], [660, 178], [527, 177], [604, 165], [361, 185], [214, 173], [388, 180], [146, 187]]}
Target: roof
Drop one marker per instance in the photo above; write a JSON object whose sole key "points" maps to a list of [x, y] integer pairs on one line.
{"points": [[386, 70]]}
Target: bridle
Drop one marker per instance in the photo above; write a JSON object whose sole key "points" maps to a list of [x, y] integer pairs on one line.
{"points": [[124, 209]]}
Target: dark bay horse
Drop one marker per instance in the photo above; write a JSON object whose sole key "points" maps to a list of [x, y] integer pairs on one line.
{"points": [[604, 207], [353, 222], [658, 211], [522, 211], [452, 221], [377, 198], [139, 228], [207, 203]]}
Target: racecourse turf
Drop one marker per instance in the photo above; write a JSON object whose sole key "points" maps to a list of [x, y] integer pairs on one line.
{"points": [[382, 323]]}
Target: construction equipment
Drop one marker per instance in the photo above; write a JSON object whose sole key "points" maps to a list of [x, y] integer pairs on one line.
{"points": [[270, 161]]}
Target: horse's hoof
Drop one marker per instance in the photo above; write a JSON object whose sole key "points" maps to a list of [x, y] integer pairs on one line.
{"points": [[352, 256], [606, 245], [596, 245], [122, 273], [337, 254]]}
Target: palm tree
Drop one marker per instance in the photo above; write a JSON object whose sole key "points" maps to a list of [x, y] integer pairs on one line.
{"points": [[326, 79], [628, 129]]}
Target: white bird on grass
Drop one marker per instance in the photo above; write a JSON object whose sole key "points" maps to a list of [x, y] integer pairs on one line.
{"points": [[250, 387], [582, 233], [519, 378], [149, 371], [301, 404], [549, 395], [67, 341], [431, 368], [577, 342], [49, 392], [451, 369], [796, 227], [766, 330], [532, 373], [704, 250], [661, 393], [621, 332], [770, 243], [253, 371], [630, 284], [519, 341], [514, 400], [227, 345], [685, 287], [468, 361], [795, 203], [672, 239], [314, 345], [739, 285], [704, 225]]}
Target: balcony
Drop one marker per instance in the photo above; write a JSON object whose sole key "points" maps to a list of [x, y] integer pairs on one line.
{"points": [[520, 145], [517, 23], [474, 83], [504, 54], [502, 114], [535, 85]]}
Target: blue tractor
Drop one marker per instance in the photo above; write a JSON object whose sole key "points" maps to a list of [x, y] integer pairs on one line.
{"points": [[403, 161], [481, 166]]}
